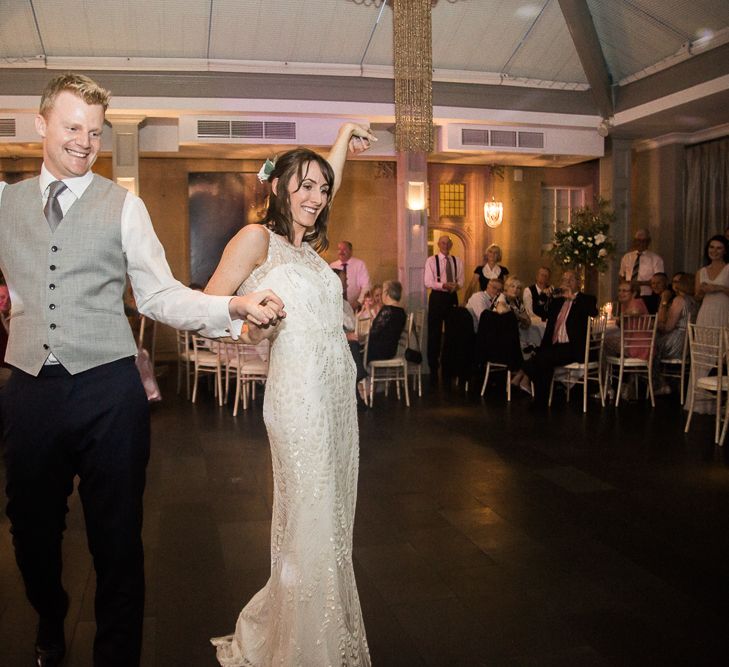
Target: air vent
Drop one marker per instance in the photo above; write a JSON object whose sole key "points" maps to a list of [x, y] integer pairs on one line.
{"points": [[280, 130], [7, 127], [213, 128], [503, 138], [531, 139], [471, 137], [246, 129]]}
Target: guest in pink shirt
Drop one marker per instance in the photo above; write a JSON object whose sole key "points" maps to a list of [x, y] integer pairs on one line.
{"points": [[629, 305]]}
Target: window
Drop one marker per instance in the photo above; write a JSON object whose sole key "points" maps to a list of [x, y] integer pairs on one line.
{"points": [[452, 200], [557, 205]]}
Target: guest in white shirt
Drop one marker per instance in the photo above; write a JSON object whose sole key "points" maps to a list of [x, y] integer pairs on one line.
{"points": [[357, 278], [443, 277], [536, 296], [484, 300], [640, 264]]}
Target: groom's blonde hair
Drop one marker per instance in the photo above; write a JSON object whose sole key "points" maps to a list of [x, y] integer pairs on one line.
{"points": [[79, 85]]}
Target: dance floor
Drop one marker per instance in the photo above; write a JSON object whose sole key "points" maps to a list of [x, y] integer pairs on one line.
{"points": [[486, 534]]}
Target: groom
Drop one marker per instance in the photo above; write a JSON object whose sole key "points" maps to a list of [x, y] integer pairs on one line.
{"points": [[74, 404]]}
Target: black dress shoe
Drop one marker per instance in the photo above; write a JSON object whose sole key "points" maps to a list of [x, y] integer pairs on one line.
{"points": [[50, 655], [50, 643]]}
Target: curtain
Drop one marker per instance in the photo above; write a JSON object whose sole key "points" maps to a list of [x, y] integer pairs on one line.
{"points": [[706, 210]]}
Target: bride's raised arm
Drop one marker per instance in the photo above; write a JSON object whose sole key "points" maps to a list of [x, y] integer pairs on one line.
{"points": [[353, 138]]}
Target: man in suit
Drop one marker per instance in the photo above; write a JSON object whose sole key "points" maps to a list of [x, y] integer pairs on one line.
{"points": [[443, 277], [74, 404], [564, 337]]}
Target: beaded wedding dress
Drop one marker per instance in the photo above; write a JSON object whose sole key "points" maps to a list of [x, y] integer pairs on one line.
{"points": [[308, 614]]}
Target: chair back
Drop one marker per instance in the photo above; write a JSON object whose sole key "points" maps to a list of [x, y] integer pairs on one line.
{"points": [[205, 352], [637, 336], [401, 344], [415, 329], [595, 338], [183, 342], [706, 345], [248, 359], [363, 328]]}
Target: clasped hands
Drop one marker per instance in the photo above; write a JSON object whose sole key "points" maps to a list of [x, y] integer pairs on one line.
{"points": [[262, 310]]}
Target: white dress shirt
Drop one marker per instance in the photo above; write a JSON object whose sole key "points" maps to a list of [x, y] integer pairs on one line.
{"points": [[358, 279], [650, 263], [528, 302], [479, 302], [430, 277], [157, 293]]}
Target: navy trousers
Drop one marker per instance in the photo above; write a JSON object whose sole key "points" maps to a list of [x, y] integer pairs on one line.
{"points": [[95, 426]]}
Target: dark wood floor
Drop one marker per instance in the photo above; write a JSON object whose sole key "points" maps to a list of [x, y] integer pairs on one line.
{"points": [[486, 534]]}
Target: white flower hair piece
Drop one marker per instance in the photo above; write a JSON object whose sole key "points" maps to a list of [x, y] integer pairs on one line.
{"points": [[266, 170]]}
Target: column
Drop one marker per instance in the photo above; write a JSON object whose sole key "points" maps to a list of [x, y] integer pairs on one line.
{"points": [[125, 150], [412, 229], [615, 172]]}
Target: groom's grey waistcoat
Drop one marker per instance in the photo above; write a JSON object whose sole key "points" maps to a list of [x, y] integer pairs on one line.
{"points": [[70, 282]]}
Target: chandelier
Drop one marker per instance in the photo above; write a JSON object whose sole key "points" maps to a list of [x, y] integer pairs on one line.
{"points": [[413, 76], [493, 211]]}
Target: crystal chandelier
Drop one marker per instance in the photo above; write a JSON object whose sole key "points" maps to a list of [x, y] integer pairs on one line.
{"points": [[493, 211], [413, 76]]}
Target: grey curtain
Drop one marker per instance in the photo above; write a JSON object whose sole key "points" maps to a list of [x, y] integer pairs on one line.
{"points": [[707, 197]]}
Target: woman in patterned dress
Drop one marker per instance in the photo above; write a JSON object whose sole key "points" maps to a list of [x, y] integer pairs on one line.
{"points": [[308, 613]]}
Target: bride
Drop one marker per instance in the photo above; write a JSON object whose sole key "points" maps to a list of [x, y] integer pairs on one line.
{"points": [[308, 613]]}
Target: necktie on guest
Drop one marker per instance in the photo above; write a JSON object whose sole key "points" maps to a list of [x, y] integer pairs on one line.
{"points": [[52, 209], [636, 268], [449, 270], [344, 282]]}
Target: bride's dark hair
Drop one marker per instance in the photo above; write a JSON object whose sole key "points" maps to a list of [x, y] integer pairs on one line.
{"points": [[294, 164]]}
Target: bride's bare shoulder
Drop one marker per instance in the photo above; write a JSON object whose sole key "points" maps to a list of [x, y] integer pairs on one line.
{"points": [[251, 240]]}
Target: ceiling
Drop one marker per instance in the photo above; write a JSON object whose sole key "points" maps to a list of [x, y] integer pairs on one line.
{"points": [[651, 67]]}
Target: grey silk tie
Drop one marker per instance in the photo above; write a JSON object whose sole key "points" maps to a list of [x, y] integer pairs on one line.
{"points": [[449, 270], [52, 209]]}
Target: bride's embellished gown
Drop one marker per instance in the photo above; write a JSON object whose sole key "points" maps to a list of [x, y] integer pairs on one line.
{"points": [[308, 614]]}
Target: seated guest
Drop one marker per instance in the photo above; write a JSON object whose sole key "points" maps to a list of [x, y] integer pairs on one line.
{"points": [[529, 336], [491, 268], [536, 296], [388, 325], [629, 304], [676, 309], [371, 304], [509, 301], [349, 326], [564, 337], [659, 284], [484, 300]]}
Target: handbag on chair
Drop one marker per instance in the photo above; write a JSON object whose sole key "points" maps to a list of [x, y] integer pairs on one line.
{"points": [[146, 372]]}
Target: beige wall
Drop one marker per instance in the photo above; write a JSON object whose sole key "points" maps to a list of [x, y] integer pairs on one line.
{"points": [[365, 214], [657, 201], [520, 235]]}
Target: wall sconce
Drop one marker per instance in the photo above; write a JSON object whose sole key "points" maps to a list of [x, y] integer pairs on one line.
{"points": [[416, 196], [493, 212], [128, 183], [416, 200]]}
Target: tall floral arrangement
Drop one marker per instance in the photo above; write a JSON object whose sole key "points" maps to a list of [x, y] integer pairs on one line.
{"points": [[586, 242]]}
